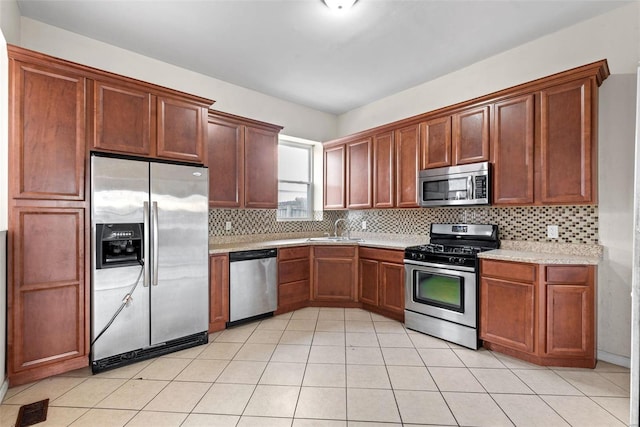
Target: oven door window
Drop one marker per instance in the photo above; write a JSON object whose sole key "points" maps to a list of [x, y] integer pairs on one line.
{"points": [[446, 189], [439, 290]]}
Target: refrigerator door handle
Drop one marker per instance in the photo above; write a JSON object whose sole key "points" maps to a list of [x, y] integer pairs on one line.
{"points": [[154, 222], [146, 240]]}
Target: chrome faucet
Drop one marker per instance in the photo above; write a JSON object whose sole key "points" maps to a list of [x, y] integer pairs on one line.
{"points": [[335, 228]]}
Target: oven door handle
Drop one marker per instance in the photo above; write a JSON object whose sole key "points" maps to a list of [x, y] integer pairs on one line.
{"points": [[438, 268]]}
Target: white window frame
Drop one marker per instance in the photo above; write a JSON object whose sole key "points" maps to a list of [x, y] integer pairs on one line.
{"points": [[294, 142]]}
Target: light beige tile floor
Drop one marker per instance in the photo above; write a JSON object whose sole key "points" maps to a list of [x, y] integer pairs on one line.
{"points": [[332, 368]]}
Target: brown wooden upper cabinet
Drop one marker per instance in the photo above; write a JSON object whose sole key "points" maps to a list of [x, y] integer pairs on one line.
{"points": [[435, 143], [384, 170], [407, 143], [513, 161], [544, 148], [131, 119], [334, 177], [567, 151], [359, 174], [456, 139], [47, 132], [242, 156]]}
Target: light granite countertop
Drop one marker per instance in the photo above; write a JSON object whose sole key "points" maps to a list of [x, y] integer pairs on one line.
{"points": [[510, 250], [223, 244], [545, 253]]}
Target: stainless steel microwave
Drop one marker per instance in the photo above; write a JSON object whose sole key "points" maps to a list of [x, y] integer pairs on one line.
{"points": [[455, 185]]}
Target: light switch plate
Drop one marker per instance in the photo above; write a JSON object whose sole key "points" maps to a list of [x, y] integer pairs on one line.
{"points": [[364, 225], [227, 225], [552, 232]]}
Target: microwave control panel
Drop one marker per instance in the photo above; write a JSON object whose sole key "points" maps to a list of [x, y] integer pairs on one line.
{"points": [[480, 187]]}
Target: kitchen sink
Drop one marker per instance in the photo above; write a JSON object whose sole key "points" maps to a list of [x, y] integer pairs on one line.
{"points": [[335, 239]]}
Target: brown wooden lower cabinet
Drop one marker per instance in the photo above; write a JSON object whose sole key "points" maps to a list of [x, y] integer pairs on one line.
{"points": [[218, 292], [293, 278], [47, 298], [381, 281], [334, 275], [544, 314]]}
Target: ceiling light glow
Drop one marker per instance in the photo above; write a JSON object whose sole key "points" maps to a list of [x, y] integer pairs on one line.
{"points": [[339, 5]]}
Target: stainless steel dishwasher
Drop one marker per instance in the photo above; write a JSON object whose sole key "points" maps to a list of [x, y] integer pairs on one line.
{"points": [[253, 285]]}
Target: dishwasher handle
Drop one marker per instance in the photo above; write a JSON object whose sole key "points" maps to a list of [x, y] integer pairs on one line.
{"points": [[255, 254]]}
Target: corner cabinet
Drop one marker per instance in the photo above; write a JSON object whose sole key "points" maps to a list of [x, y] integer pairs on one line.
{"points": [[334, 177], [359, 174], [381, 281], [48, 242], [242, 156], [334, 275], [544, 314], [407, 144]]}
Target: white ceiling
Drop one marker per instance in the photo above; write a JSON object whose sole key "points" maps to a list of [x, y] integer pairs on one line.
{"points": [[300, 51]]}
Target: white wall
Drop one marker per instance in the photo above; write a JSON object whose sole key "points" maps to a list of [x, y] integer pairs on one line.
{"points": [[616, 146], [297, 120], [614, 36]]}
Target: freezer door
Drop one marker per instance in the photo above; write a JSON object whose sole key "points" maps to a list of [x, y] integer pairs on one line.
{"points": [[180, 247], [119, 189]]}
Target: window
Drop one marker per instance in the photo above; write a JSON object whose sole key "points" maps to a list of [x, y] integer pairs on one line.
{"points": [[295, 181]]}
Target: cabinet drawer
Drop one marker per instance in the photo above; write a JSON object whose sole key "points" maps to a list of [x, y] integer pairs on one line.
{"points": [[334, 251], [567, 274], [508, 270], [388, 255], [293, 293], [293, 253], [293, 270]]}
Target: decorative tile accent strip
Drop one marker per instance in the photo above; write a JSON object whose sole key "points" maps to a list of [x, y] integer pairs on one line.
{"points": [[577, 224], [264, 221]]}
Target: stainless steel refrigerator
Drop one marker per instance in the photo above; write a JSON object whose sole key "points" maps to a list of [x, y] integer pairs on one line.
{"points": [[149, 277]]}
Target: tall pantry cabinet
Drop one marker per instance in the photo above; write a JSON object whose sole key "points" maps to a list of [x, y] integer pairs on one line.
{"points": [[59, 112], [47, 295]]}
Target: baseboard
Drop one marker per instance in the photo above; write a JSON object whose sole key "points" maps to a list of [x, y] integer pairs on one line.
{"points": [[614, 358], [3, 388]]}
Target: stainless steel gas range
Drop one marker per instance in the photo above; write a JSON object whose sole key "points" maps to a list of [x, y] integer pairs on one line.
{"points": [[441, 281]]}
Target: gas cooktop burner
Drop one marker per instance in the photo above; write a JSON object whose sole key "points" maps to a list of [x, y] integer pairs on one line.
{"points": [[464, 241]]}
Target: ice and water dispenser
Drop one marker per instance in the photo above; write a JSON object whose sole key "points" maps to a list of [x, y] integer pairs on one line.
{"points": [[118, 245]]}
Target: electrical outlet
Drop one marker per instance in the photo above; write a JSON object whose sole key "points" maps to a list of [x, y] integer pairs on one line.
{"points": [[364, 225], [552, 232], [227, 225]]}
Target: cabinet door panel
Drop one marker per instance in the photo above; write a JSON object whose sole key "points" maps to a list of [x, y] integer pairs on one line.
{"points": [[435, 143], [225, 154], [47, 133], [392, 287], [383, 171], [122, 119], [368, 281], [48, 290], [513, 151], [566, 147], [293, 294], [218, 292], [570, 322], [334, 279], [181, 130], [407, 142], [359, 174], [507, 313], [334, 177], [260, 168], [470, 136]]}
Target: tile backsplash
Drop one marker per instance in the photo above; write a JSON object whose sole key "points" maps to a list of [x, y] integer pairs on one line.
{"points": [[577, 224]]}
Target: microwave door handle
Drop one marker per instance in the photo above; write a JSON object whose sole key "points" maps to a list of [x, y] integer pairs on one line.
{"points": [[470, 192]]}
